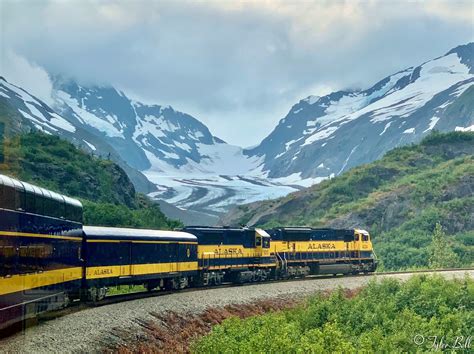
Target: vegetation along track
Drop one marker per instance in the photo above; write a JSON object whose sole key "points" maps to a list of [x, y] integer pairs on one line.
{"points": [[88, 326]]}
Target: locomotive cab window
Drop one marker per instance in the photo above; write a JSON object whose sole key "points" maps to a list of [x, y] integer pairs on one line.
{"points": [[365, 237], [266, 242], [258, 241]]}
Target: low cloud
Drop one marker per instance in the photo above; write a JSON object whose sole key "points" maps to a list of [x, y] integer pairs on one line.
{"points": [[21, 72], [237, 66]]}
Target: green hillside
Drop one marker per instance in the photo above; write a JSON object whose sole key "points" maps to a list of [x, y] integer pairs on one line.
{"points": [[399, 199], [108, 195], [388, 316]]}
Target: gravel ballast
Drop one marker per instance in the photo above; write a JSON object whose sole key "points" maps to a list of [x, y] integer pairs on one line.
{"points": [[92, 329]]}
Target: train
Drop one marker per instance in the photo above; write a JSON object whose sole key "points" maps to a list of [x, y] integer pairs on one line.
{"points": [[49, 258]]}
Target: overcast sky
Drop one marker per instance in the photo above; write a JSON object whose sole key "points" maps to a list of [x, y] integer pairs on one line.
{"points": [[236, 66]]}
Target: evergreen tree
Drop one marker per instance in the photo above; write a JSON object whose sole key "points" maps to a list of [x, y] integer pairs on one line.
{"points": [[441, 253]]}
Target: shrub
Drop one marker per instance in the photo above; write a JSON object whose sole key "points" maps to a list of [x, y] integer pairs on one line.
{"points": [[384, 317]]}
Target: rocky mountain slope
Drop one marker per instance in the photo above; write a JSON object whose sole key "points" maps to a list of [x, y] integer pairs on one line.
{"points": [[175, 158], [184, 164], [398, 198], [325, 136], [22, 112], [138, 132]]}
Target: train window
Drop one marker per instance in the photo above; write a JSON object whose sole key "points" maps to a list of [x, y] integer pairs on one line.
{"points": [[49, 203], [7, 259], [71, 208], [356, 237], [39, 204], [8, 201], [365, 237], [70, 212], [62, 209], [19, 195], [29, 198], [58, 201], [258, 241], [30, 202], [77, 213], [266, 242], [24, 260], [49, 206], [20, 200]]}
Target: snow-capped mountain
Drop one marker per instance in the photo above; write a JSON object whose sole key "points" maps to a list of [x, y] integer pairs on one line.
{"points": [[174, 157], [190, 167], [324, 136], [138, 132], [23, 111], [186, 165]]}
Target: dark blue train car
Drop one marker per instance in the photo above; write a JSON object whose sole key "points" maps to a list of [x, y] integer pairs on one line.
{"points": [[155, 258], [40, 247]]}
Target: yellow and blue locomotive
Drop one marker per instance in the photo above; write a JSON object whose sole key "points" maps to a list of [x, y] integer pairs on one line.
{"points": [[232, 254], [300, 251]]}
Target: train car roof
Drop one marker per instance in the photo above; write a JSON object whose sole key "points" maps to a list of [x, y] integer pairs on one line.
{"points": [[215, 228], [24, 186], [302, 228], [116, 233]]}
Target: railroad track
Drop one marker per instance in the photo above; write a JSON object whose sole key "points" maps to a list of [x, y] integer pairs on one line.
{"points": [[77, 306], [113, 299]]}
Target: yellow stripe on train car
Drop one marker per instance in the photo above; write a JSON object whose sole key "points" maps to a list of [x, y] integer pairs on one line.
{"points": [[22, 282], [114, 271], [226, 251], [317, 246], [25, 234]]}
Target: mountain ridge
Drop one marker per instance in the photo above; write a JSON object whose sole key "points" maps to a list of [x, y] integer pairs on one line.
{"points": [[175, 158], [416, 98]]}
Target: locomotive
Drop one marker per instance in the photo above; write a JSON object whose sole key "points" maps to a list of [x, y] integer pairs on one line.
{"points": [[48, 258]]}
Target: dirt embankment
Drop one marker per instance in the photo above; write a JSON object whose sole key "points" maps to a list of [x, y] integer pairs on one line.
{"points": [[174, 332]]}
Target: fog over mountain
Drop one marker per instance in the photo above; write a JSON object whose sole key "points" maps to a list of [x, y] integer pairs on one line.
{"points": [[236, 66]]}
